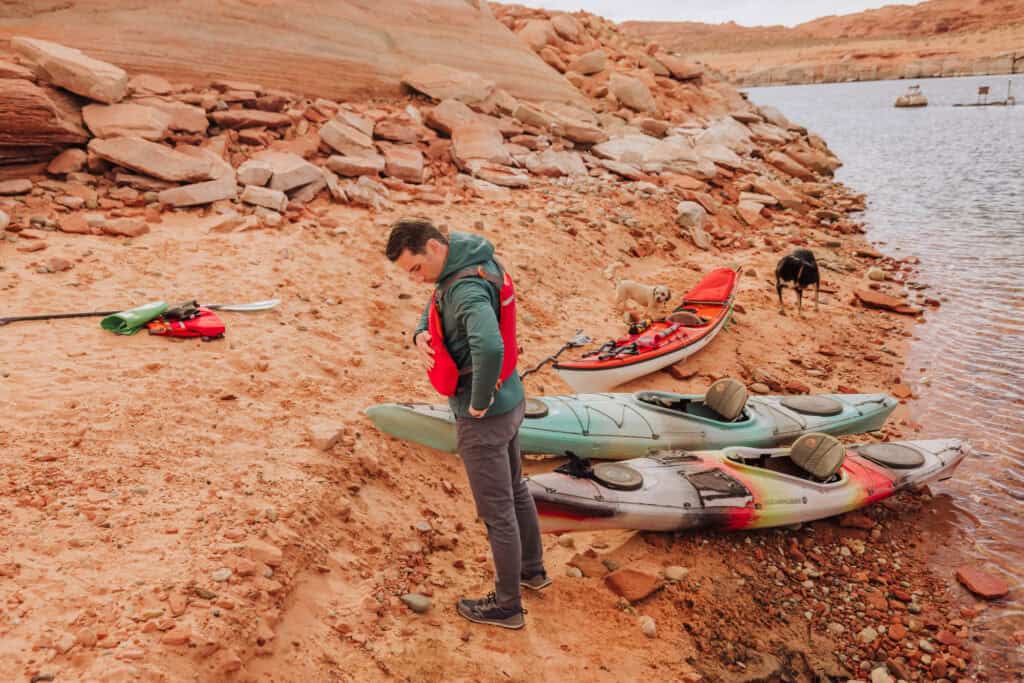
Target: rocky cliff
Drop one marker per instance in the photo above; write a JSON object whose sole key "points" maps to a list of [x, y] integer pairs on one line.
{"points": [[330, 49], [930, 39]]}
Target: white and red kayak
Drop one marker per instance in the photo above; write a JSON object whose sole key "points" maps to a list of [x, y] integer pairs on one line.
{"points": [[703, 314], [735, 488]]}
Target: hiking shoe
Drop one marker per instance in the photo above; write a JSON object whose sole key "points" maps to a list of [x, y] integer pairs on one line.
{"points": [[486, 611], [536, 582]]}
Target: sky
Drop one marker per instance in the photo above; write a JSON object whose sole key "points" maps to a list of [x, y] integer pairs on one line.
{"points": [[745, 12]]}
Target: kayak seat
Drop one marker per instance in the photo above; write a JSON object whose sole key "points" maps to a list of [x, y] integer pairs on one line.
{"points": [[813, 405], [686, 318], [775, 462], [727, 397], [820, 455], [682, 404]]}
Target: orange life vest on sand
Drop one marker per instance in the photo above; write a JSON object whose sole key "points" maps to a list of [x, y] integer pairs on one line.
{"points": [[445, 373]]}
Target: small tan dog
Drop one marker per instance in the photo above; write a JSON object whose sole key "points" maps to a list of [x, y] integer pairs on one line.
{"points": [[650, 297]]}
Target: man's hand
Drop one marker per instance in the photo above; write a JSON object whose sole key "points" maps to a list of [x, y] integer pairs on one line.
{"points": [[473, 412], [423, 346]]}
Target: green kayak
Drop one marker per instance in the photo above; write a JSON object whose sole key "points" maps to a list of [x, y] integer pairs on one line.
{"points": [[619, 426]]}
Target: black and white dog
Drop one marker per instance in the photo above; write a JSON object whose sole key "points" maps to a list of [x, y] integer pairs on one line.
{"points": [[800, 268]]}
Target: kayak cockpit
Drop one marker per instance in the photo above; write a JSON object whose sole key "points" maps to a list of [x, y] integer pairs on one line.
{"points": [[693, 406], [777, 461]]}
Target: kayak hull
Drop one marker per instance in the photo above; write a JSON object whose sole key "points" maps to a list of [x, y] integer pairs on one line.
{"points": [[597, 379], [724, 490], [621, 426], [662, 343]]}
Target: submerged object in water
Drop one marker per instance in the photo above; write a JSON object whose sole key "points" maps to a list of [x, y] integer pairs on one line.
{"points": [[912, 98]]}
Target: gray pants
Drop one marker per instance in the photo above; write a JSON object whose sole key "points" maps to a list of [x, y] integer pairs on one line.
{"points": [[489, 448]]}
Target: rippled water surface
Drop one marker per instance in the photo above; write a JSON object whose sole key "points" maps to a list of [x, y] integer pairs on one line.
{"points": [[946, 184]]}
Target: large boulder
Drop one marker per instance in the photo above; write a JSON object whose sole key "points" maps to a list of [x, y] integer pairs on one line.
{"points": [[670, 150], [632, 93], [554, 164], [276, 200], [789, 165], [72, 70], [444, 82], [290, 171], [480, 141], [590, 63], [152, 159], [783, 195], [184, 117], [630, 149], [679, 68], [354, 166], [348, 133], [38, 121], [250, 118], [537, 33], [449, 115], [776, 117], [690, 215], [729, 132], [197, 194], [719, 154], [404, 162], [816, 160], [499, 175], [126, 120], [567, 27]]}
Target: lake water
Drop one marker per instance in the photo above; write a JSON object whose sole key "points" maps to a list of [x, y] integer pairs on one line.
{"points": [[946, 184]]}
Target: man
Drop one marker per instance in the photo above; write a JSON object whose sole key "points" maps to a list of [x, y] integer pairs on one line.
{"points": [[487, 413]]}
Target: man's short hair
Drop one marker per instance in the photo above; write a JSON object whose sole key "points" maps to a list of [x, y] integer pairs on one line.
{"points": [[411, 234]]}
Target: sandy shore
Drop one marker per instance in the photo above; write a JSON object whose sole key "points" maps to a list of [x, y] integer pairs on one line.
{"points": [[224, 511], [139, 469]]}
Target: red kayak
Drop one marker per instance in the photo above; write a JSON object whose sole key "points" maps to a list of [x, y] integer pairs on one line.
{"points": [[704, 312]]}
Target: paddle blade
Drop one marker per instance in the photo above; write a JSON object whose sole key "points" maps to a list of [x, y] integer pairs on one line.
{"points": [[254, 306]]}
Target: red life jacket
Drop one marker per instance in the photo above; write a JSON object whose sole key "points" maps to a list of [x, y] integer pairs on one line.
{"points": [[445, 373], [205, 324]]}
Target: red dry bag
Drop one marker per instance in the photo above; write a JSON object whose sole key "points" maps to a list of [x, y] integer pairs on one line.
{"points": [[445, 373], [204, 323]]}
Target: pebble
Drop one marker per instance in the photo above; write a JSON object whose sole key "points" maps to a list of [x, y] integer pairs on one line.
{"points": [[881, 675], [867, 635], [676, 573], [649, 628], [416, 602], [222, 574], [574, 572], [926, 646], [566, 541], [835, 628]]}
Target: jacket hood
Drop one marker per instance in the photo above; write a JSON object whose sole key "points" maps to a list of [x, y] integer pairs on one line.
{"points": [[466, 250]]}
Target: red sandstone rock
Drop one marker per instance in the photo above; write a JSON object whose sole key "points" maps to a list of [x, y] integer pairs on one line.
{"points": [[632, 583], [152, 159], [856, 520], [38, 121], [73, 70], [982, 583]]}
